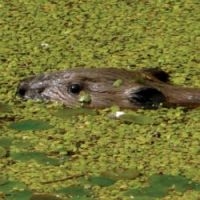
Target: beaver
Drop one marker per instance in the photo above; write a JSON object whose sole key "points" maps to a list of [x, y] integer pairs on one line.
{"points": [[104, 87]]}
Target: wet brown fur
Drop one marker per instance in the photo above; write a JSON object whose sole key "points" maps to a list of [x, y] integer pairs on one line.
{"points": [[100, 85]]}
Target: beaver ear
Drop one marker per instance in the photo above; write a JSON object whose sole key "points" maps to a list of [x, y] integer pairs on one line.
{"points": [[156, 73], [147, 97]]}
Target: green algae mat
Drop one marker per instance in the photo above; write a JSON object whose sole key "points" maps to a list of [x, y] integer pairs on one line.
{"points": [[51, 152]]}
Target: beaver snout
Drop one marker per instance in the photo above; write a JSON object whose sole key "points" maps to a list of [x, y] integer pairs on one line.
{"points": [[25, 91], [21, 91]]}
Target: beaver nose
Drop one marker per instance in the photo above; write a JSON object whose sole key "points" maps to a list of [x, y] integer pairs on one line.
{"points": [[22, 90], [27, 91]]}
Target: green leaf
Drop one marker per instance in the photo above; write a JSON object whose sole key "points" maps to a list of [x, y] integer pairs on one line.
{"points": [[33, 125], [101, 181], [160, 185], [8, 186], [38, 156], [118, 83], [19, 195], [23, 144], [180, 183], [5, 142], [121, 174], [84, 98], [44, 196], [148, 192], [75, 191]]}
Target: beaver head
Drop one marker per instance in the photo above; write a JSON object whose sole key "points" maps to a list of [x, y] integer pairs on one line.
{"points": [[104, 87]]}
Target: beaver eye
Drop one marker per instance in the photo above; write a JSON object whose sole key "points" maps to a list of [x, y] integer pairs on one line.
{"points": [[74, 88]]}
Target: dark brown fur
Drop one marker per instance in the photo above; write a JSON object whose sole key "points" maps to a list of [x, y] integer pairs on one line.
{"points": [[147, 88]]}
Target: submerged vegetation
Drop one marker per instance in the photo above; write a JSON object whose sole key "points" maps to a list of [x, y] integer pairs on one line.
{"points": [[50, 152]]}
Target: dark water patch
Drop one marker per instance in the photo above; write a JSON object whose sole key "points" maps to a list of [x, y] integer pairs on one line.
{"points": [[34, 125], [14, 190], [160, 185], [101, 181], [75, 192], [37, 156]]}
